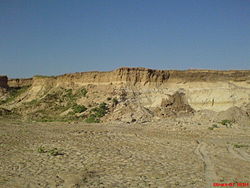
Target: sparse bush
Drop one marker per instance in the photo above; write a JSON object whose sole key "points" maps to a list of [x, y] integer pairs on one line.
{"points": [[51, 97], [226, 122], [240, 145], [33, 102], [211, 128], [115, 101], [83, 92], [41, 149], [55, 152], [215, 126], [15, 92], [68, 96], [71, 113], [92, 119], [101, 110], [79, 108], [52, 152]]}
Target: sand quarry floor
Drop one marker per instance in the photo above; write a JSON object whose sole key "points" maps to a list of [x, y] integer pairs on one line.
{"points": [[170, 153]]}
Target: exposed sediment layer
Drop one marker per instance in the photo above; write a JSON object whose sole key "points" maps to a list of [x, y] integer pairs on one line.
{"points": [[204, 89], [148, 76], [20, 82], [148, 88]]}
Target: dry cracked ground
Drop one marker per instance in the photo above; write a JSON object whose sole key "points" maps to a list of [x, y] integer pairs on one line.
{"points": [[169, 153]]}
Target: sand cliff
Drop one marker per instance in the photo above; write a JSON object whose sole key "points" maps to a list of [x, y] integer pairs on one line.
{"points": [[140, 93], [204, 89], [19, 82]]}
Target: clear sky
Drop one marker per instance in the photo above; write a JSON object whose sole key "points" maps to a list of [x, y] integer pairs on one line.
{"points": [[52, 37]]}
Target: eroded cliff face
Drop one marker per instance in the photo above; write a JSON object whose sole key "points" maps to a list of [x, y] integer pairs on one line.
{"points": [[135, 93], [20, 82], [204, 89], [144, 77]]}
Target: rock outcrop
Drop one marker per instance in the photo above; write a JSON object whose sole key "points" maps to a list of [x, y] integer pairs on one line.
{"points": [[3, 82]]}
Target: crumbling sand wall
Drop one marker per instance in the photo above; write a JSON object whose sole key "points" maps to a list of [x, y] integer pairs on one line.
{"points": [[19, 82], [144, 77], [203, 89]]}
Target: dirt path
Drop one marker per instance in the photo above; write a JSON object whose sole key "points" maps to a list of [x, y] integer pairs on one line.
{"points": [[237, 153], [209, 171]]}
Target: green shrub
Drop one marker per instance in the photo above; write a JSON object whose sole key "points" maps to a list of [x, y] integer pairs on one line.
{"points": [[115, 101], [41, 149], [215, 126], [79, 108], [52, 152], [226, 122], [68, 96], [33, 102], [101, 110], [71, 113], [83, 92], [240, 145], [55, 152], [92, 119], [14, 92]]}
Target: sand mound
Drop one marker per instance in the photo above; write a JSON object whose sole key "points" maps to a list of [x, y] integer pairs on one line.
{"points": [[234, 114], [174, 105], [129, 112]]}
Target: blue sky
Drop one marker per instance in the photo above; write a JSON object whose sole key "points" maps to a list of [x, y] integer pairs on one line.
{"points": [[61, 36]]}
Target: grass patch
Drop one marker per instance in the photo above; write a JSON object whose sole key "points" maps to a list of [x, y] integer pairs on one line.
{"points": [[41, 149], [115, 101], [92, 119], [226, 122], [97, 113], [52, 152], [55, 152], [79, 108], [240, 145], [14, 93], [100, 111], [83, 92], [33, 102], [214, 126]]}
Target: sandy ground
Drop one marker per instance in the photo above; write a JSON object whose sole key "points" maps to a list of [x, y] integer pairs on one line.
{"points": [[170, 153]]}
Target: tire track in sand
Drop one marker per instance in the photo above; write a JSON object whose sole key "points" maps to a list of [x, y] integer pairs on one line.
{"points": [[210, 175], [238, 153]]}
